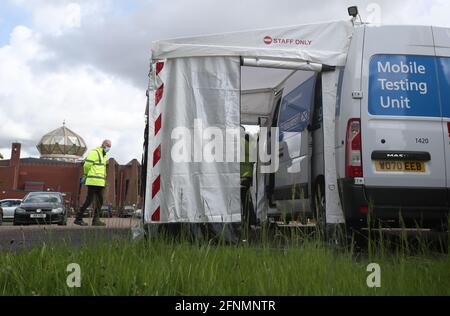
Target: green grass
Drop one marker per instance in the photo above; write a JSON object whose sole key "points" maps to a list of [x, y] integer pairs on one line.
{"points": [[162, 267]]}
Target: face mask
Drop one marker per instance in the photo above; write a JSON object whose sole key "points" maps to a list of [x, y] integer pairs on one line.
{"points": [[107, 149]]}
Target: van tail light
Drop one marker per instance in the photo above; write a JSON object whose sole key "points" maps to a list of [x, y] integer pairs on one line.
{"points": [[353, 165], [364, 209], [448, 128]]}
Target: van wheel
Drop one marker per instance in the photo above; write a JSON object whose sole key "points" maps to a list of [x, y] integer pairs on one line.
{"points": [[440, 225], [440, 228]]}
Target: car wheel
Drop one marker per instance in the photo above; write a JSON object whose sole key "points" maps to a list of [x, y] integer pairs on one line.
{"points": [[63, 221]]}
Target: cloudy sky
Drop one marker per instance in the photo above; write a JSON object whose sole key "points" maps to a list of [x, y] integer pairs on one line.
{"points": [[86, 61]]}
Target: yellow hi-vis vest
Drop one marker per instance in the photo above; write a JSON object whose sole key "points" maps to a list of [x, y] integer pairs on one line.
{"points": [[94, 168]]}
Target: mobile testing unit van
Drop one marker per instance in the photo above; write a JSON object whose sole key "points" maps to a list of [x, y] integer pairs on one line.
{"points": [[363, 118]]}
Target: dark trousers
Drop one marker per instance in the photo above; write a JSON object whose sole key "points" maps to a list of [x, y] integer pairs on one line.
{"points": [[94, 194], [248, 212]]}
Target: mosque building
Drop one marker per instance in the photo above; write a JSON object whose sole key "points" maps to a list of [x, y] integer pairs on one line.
{"points": [[60, 167]]}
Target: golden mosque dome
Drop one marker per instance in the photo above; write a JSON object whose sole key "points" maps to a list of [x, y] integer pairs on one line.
{"points": [[62, 144]]}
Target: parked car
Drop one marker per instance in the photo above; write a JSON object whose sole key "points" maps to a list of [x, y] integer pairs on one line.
{"points": [[89, 212], [41, 208], [105, 211], [127, 211], [138, 213], [71, 212], [8, 206]]}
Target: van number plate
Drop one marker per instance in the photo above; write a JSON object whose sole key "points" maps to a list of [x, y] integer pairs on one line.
{"points": [[399, 166]]}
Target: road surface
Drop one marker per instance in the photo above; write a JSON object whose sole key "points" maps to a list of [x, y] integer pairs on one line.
{"points": [[15, 238]]}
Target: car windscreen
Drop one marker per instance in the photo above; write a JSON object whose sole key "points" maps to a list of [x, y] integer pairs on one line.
{"points": [[42, 198]]}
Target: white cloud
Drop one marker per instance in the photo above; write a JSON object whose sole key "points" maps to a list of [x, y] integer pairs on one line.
{"points": [[56, 19], [418, 12], [94, 104]]}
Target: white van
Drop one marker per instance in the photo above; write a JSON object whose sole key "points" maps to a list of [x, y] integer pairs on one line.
{"points": [[392, 131]]}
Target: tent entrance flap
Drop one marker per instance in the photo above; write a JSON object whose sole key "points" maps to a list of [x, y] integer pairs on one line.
{"points": [[194, 110], [334, 213], [333, 207]]}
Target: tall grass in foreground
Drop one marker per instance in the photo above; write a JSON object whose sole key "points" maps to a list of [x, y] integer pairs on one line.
{"points": [[162, 266]]}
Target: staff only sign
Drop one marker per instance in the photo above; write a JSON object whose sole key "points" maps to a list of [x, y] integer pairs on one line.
{"points": [[403, 85]]}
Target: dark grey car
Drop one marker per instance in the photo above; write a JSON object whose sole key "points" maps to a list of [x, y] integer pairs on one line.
{"points": [[41, 208], [127, 211]]}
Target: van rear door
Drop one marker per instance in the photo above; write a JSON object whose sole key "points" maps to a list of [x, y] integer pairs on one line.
{"points": [[442, 44], [292, 177], [402, 143]]}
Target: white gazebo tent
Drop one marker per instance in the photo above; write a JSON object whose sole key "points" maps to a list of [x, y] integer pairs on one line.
{"points": [[195, 84]]}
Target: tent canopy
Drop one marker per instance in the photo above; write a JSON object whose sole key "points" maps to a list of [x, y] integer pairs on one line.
{"points": [[320, 43]]}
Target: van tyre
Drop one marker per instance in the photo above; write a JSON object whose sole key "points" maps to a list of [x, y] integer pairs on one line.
{"points": [[441, 225], [440, 228]]}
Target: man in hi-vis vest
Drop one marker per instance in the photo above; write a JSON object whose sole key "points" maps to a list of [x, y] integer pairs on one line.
{"points": [[94, 178]]}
